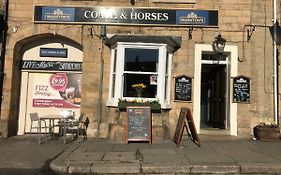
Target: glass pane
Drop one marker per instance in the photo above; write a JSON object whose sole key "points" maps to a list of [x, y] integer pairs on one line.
{"points": [[141, 60], [149, 80]]}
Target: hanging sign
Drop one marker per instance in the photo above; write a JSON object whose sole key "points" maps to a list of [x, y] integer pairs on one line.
{"points": [[183, 88], [241, 89], [126, 16]]}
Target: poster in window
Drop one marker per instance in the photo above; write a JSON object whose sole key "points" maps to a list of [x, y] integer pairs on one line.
{"points": [[241, 89], [183, 88], [153, 79], [59, 90]]}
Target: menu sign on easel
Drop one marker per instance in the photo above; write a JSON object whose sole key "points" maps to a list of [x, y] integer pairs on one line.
{"points": [[183, 88], [185, 120], [138, 123], [241, 89]]}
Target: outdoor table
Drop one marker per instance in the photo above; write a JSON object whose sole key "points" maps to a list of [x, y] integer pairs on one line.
{"points": [[51, 118]]}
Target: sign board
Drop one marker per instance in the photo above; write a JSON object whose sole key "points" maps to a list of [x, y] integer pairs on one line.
{"points": [[126, 16], [186, 121], [183, 88], [180, 126], [51, 65], [192, 129], [138, 123], [241, 89], [53, 52]]}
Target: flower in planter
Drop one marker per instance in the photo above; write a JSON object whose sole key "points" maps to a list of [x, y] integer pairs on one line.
{"points": [[139, 88], [267, 125], [138, 100]]}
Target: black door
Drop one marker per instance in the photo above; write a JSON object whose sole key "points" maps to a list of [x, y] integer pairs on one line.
{"points": [[213, 101]]}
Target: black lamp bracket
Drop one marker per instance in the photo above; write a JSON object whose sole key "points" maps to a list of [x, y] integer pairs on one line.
{"points": [[250, 32]]}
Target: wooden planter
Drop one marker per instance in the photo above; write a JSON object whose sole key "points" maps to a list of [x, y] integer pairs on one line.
{"points": [[154, 107], [267, 134]]}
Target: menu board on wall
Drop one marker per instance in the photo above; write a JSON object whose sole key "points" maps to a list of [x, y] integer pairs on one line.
{"points": [[241, 89], [138, 123], [183, 88]]}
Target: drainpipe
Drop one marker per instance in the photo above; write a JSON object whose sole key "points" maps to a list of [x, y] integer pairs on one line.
{"points": [[102, 37], [3, 49], [4, 29], [275, 64]]}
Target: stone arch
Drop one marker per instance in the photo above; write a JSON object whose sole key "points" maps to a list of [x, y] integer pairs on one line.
{"points": [[21, 46]]}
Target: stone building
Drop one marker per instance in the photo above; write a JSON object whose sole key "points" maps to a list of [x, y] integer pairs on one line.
{"points": [[87, 55]]}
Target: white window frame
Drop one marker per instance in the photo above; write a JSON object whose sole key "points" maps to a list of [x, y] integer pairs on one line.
{"points": [[162, 61]]}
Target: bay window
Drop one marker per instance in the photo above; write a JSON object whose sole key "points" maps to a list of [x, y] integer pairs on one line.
{"points": [[143, 65]]}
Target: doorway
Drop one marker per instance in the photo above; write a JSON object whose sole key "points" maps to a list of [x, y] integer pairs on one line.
{"points": [[218, 71], [213, 96]]}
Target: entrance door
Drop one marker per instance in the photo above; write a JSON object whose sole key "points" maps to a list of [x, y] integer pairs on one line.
{"points": [[213, 96]]}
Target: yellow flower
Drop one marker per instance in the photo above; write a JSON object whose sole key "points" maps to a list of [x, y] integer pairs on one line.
{"points": [[139, 86]]}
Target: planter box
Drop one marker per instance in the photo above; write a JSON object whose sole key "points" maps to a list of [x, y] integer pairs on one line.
{"points": [[154, 107], [267, 134]]}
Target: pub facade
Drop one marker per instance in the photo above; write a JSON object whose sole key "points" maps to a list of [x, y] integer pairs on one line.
{"points": [[98, 57]]}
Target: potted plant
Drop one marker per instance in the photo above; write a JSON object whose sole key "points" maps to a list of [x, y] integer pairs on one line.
{"points": [[139, 88], [267, 131], [154, 104]]}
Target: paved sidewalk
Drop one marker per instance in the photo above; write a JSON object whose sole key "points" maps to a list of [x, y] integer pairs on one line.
{"points": [[217, 155]]}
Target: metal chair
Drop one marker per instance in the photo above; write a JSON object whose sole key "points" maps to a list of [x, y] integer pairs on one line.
{"points": [[38, 124], [83, 126], [68, 125]]}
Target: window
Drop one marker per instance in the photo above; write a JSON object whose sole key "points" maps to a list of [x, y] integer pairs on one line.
{"points": [[131, 64]]}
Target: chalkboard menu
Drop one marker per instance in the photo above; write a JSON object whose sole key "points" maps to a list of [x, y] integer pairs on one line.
{"points": [[183, 87], [241, 89], [180, 126], [138, 123], [186, 121]]}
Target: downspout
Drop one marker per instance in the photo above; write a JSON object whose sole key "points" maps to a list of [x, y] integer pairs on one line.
{"points": [[102, 37], [275, 65], [3, 50]]}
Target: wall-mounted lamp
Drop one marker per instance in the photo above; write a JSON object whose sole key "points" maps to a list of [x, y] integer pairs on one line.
{"points": [[219, 44], [15, 28]]}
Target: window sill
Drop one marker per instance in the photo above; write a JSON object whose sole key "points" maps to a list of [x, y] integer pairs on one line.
{"points": [[154, 107]]}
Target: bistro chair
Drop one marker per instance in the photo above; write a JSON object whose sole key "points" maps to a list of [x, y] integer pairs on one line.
{"points": [[68, 125], [36, 122], [83, 126]]}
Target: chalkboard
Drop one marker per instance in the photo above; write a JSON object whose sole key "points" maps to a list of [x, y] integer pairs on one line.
{"points": [[186, 121], [241, 89], [183, 87], [192, 129], [138, 123], [180, 126]]}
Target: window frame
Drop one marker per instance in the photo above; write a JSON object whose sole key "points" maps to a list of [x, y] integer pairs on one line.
{"points": [[118, 56]]}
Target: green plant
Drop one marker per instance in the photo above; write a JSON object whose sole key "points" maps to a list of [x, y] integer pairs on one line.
{"points": [[267, 124], [139, 101]]}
